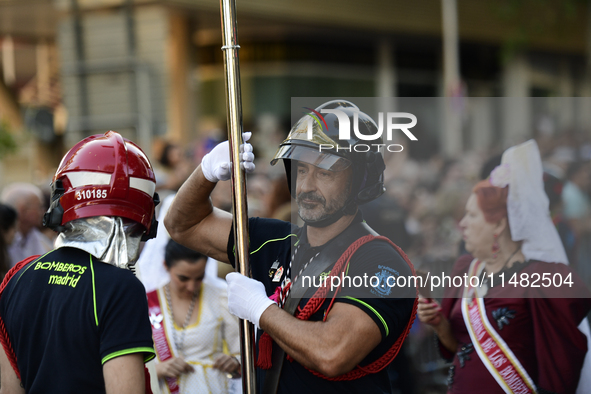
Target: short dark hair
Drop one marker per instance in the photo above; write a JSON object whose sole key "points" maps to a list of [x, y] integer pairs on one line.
{"points": [[8, 217], [574, 168], [489, 166], [175, 252], [164, 158]]}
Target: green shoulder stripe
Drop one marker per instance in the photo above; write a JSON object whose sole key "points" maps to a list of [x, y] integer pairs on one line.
{"points": [[273, 240], [93, 292], [147, 357], [373, 310], [266, 242]]}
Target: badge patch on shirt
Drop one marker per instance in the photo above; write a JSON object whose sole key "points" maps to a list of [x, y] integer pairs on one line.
{"points": [[387, 280], [273, 269], [278, 275]]}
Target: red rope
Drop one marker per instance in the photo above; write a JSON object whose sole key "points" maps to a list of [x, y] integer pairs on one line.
{"points": [[4, 339], [319, 297]]}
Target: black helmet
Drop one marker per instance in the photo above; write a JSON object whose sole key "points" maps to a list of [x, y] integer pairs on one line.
{"points": [[314, 139]]}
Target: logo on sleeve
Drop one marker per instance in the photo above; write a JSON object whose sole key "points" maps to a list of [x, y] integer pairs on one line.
{"points": [[386, 280]]}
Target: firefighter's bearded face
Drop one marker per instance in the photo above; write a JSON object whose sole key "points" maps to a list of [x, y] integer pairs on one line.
{"points": [[319, 192]]}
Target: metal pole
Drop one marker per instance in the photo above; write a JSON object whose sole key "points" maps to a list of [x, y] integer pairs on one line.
{"points": [[234, 115]]}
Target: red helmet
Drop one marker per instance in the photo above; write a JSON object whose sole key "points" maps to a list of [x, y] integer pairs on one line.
{"points": [[103, 175]]}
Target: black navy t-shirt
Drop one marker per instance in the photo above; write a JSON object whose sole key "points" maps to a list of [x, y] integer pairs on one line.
{"points": [[67, 314], [271, 247]]}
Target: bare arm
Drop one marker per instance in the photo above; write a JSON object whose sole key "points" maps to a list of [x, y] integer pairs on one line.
{"points": [[194, 222], [333, 347], [443, 331], [429, 312], [10, 382], [125, 374]]}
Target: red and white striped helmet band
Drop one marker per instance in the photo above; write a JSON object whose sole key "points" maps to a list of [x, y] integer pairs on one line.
{"points": [[88, 178]]}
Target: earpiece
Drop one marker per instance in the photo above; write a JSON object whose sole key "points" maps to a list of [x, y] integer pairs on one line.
{"points": [[53, 217], [154, 224]]}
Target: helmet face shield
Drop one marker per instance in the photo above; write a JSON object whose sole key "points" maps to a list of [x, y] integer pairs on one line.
{"points": [[333, 137], [326, 161]]}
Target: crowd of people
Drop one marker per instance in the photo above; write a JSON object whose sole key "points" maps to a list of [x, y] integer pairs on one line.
{"points": [[453, 216], [507, 230]]}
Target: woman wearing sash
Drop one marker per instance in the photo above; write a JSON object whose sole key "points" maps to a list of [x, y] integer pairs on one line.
{"points": [[519, 337], [192, 327]]}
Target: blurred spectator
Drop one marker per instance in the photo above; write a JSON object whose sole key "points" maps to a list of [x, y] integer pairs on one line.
{"points": [[173, 169], [149, 268], [534, 327], [49, 233], [553, 187], [278, 201], [8, 228], [561, 159], [577, 211], [27, 200], [434, 211], [387, 218], [577, 203], [222, 197], [258, 188], [489, 165], [190, 318]]}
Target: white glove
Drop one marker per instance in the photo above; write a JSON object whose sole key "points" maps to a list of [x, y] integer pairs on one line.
{"points": [[216, 164], [247, 298]]}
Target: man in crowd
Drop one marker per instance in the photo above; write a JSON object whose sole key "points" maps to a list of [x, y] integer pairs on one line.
{"points": [[340, 340], [27, 200], [76, 319]]}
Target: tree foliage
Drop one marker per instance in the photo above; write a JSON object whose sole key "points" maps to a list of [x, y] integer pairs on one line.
{"points": [[7, 141], [531, 18]]}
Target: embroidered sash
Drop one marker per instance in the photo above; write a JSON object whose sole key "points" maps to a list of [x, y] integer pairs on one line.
{"points": [[496, 356], [161, 344]]}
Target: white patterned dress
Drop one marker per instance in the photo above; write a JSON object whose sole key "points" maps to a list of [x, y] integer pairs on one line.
{"points": [[214, 332]]}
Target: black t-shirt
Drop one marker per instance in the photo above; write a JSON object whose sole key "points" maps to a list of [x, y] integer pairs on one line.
{"points": [[67, 314], [271, 243]]}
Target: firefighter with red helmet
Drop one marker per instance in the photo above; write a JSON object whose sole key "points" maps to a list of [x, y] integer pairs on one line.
{"points": [[76, 319], [311, 338]]}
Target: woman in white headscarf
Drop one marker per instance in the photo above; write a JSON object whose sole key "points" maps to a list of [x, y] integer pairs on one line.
{"points": [[515, 328]]}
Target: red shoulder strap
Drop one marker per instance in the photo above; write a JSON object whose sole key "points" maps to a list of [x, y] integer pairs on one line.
{"points": [[3, 333], [316, 301]]}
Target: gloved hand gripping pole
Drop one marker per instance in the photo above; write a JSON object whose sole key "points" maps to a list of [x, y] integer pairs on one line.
{"points": [[240, 223]]}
